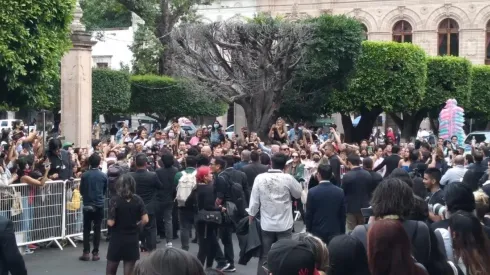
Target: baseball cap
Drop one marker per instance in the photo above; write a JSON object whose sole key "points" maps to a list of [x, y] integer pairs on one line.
{"points": [[67, 144], [290, 257]]}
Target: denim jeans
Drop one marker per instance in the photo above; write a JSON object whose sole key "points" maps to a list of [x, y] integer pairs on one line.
{"points": [[27, 215], [164, 220]]}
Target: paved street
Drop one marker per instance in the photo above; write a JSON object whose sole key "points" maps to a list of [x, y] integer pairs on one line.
{"points": [[55, 261]]}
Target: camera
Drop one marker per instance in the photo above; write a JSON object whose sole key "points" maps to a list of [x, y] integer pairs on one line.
{"points": [[438, 209]]}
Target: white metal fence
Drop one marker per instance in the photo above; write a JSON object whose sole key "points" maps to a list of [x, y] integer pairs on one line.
{"points": [[49, 213]]}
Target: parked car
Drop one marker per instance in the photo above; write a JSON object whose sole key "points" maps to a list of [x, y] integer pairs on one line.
{"points": [[6, 123], [185, 124], [480, 136], [230, 131]]}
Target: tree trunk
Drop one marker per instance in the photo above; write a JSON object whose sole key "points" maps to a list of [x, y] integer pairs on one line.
{"points": [[258, 115], [162, 32], [410, 123], [365, 127]]}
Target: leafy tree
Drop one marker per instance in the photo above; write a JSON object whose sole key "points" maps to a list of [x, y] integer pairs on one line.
{"points": [[160, 17], [34, 35], [447, 77], [100, 14], [389, 76], [164, 98], [147, 51], [245, 63], [328, 64], [111, 92], [478, 105]]}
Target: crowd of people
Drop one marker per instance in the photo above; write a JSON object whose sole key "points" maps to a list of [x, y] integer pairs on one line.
{"points": [[377, 207]]}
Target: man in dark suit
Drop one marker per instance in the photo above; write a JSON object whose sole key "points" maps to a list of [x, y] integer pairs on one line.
{"points": [[147, 186], [367, 164], [253, 169], [11, 261], [356, 184], [325, 207], [391, 161], [475, 171]]}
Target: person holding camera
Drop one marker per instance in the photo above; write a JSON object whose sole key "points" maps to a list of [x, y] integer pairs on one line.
{"points": [[435, 198]]}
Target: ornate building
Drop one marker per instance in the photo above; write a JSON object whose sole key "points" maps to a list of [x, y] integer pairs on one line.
{"points": [[460, 28]]}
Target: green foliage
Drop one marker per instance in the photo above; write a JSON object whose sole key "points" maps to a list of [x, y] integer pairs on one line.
{"points": [[100, 14], [146, 51], [164, 98], [447, 77], [111, 92], [479, 105], [389, 75], [34, 35], [330, 62]]}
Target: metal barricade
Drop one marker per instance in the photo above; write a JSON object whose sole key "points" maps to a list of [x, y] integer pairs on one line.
{"points": [[74, 212], [37, 212]]}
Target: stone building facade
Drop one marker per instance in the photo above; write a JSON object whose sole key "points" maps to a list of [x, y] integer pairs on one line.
{"points": [[438, 26]]}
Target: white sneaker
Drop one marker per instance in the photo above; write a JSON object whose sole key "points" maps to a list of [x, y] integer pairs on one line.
{"points": [[169, 244]]}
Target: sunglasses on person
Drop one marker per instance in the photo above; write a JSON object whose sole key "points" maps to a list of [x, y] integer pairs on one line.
{"points": [[285, 149]]}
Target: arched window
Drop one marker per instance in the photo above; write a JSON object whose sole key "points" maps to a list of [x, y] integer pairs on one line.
{"points": [[448, 37], [364, 32], [487, 45], [402, 32]]}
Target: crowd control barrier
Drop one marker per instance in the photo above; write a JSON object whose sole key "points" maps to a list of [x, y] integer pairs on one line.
{"points": [[48, 213]]}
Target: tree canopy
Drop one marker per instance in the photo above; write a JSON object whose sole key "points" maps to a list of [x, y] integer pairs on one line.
{"points": [[328, 65], [34, 35], [389, 76], [100, 14], [160, 17], [479, 104], [164, 98], [245, 63]]}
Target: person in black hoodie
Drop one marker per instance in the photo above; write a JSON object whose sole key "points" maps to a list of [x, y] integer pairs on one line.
{"points": [[166, 196], [367, 164], [207, 231]]}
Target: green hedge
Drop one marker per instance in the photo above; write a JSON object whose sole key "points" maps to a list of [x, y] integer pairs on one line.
{"points": [[389, 75], [111, 91], [447, 77], [479, 103], [165, 98]]}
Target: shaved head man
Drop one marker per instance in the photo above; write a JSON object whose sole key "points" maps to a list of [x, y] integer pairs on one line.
{"points": [[206, 150], [455, 174]]}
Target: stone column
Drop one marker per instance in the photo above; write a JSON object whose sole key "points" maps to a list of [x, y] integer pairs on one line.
{"points": [[76, 85]]}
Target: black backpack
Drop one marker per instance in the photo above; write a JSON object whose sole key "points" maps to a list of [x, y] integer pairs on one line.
{"points": [[113, 173], [236, 204]]}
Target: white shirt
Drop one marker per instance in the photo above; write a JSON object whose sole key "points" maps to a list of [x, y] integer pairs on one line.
{"points": [[381, 171], [454, 174], [271, 194]]}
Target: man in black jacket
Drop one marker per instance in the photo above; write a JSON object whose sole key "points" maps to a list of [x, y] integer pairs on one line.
{"points": [[356, 184], [93, 188], [253, 169], [325, 207], [334, 162], [475, 171], [10, 258], [222, 188], [367, 164], [391, 161], [147, 187], [166, 196]]}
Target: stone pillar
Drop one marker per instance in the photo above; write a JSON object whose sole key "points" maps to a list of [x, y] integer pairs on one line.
{"points": [[76, 85]]}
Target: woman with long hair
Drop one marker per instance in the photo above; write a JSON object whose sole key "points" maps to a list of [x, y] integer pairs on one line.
{"points": [[197, 138], [216, 135], [470, 244], [389, 250], [378, 159], [278, 132], [126, 214], [207, 231], [405, 162]]}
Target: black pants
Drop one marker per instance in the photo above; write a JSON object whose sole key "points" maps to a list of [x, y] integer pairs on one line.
{"points": [[148, 237], [175, 219], [92, 220], [208, 243], [225, 233]]}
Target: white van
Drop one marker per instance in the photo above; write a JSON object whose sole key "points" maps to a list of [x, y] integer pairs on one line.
{"points": [[6, 123]]}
